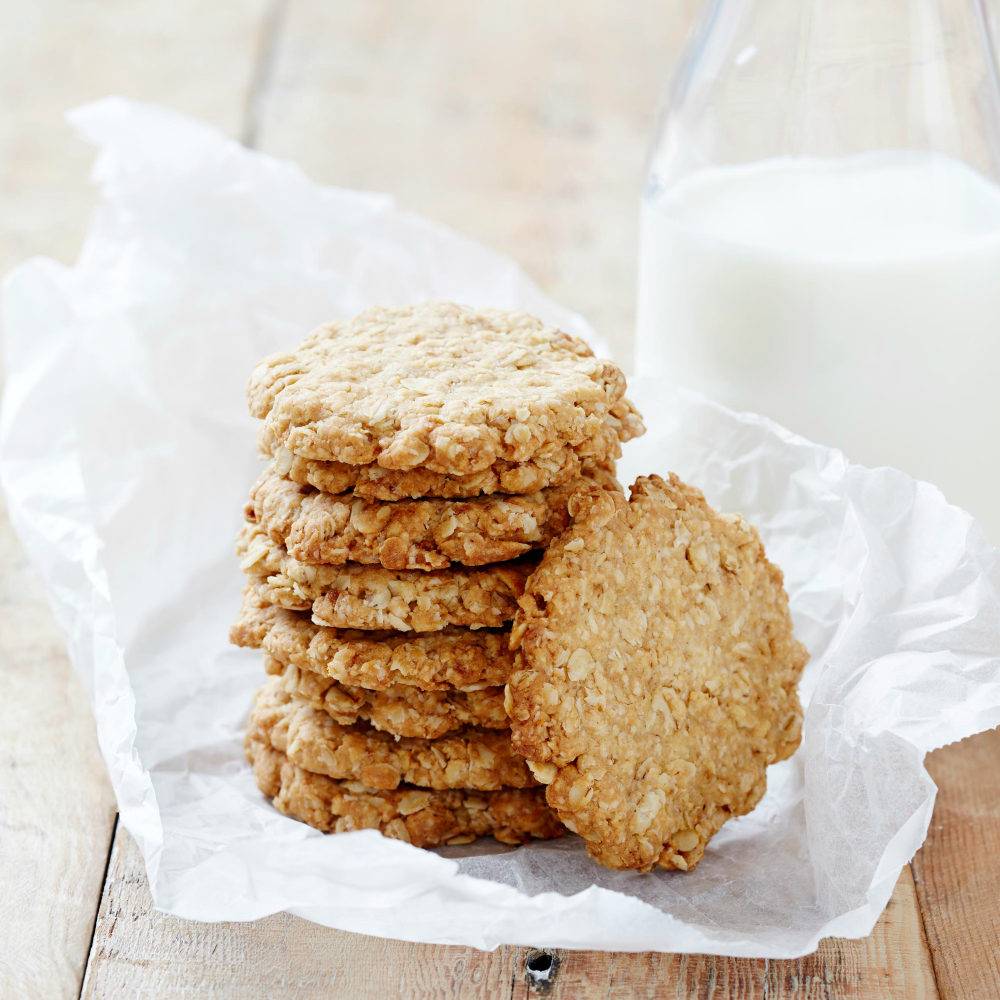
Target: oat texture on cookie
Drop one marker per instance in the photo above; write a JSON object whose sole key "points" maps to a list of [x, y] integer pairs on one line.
{"points": [[354, 595], [419, 816], [437, 385], [475, 758], [430, 533], [552, 465], [656, 674], [401, 710], [452, 658]]}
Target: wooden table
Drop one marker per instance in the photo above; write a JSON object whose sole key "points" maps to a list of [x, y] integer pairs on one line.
{"points": [[523, 124]]}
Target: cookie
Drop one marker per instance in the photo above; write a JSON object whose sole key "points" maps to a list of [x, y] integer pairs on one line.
{"points": [[625, 421], [453, 658], [554, 468], [552, 465], [417, 816], [400, 710], [428, 534], [438, 386], [656, 675], [373, 597], [481, 759]]}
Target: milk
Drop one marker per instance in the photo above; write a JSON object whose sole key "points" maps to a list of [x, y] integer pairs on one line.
{"points": [[856, 301]]}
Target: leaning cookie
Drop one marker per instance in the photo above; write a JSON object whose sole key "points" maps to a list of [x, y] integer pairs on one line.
{"points": [[417, 816], [437, 386], [659, 673], [400, 710], [317, 527], [373, 597], [470, 758], [451, 658]]}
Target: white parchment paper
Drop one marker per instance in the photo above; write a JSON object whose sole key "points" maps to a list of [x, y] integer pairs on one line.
{"points": [[126, 453]]}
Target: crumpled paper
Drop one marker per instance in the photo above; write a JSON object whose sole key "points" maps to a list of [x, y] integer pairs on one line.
{"points": [[126, 453]]}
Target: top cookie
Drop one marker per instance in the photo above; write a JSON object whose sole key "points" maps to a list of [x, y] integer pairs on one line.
{"points": [[437, 386], [658, 673]]}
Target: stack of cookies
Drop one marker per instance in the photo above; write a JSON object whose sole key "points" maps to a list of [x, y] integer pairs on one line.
{"points": [[458, 605], [421, 460]]}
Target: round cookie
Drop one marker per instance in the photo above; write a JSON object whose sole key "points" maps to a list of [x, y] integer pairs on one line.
{"points": [[558, 465], [552, 465], [437, 385], [470, 758], [400, 710], [452, 658], [317, 527], [372, 597], [418, 816], [656, 675]]}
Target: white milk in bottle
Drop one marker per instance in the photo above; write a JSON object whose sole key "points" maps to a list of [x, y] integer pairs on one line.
{"points": [[856, 301]]}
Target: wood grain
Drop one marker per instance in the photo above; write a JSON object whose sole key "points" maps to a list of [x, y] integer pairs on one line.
{"points": [[518, 123], [56, 806], [139, 952], [957, 871], [893, 963], [57, 54]]}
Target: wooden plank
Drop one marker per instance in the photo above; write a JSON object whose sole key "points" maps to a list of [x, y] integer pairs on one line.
{"points": [[956, 871], [518, 123], [56, 806], [56, 54], [140, 952], [893, 963]]}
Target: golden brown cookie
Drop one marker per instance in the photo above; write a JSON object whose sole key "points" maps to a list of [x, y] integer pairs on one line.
{"points": [[659, 673], [470, 758], [376, 483], [417, 816], [438, 386], [626, 423], [400, 710], [425, 534], [552, 465], [453, 658], [373, 597]]}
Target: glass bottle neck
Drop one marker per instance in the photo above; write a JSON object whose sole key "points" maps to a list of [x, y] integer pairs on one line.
{"points": [[829, 78]]}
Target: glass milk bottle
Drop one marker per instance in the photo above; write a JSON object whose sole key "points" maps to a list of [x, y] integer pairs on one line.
{"points": [[821, 230]]}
